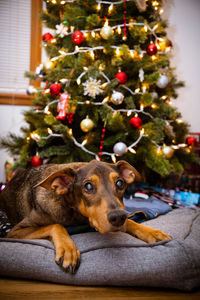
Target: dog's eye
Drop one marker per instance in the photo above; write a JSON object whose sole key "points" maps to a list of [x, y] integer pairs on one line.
{"points": [[120, 184], [89, 187]]}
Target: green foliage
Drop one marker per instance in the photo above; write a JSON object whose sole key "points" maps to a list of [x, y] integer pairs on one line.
{"points": [[72, 71], [157, 163]]}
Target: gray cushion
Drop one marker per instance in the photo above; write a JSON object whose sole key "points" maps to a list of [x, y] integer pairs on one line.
{"points": [[116, 258]]}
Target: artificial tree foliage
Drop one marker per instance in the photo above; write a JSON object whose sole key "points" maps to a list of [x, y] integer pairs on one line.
{"points": [[116, 38]]}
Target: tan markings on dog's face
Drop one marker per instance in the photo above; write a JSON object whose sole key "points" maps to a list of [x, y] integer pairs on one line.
{"points": [[101, 195]]}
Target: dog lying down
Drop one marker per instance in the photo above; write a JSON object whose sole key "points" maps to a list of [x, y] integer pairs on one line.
{"points": [[41, 201]]}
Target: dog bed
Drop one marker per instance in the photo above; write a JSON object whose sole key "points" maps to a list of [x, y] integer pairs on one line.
{"points": [[116, 259]]}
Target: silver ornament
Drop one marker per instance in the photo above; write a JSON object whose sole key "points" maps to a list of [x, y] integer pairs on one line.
{"points": [[162, 81], [117, 98], [106, 32], [120, 148]]}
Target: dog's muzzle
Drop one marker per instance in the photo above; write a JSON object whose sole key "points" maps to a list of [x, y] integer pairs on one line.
{"points": [[117, 217]]}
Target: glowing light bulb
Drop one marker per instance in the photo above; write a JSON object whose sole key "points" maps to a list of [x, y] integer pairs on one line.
{"points": [[106, 99], [132, 150], [154, 106], [119, 30], [99, 6], [113, 158], [132, 52], [159, 151], [92, 54], [49, 131], [110, 8], [129, 112], [142, 131], [84, 142], [117, 52]]}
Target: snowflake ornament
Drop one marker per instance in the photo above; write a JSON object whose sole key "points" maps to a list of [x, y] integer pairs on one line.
{"points": [[62, 30], [92, 87]]}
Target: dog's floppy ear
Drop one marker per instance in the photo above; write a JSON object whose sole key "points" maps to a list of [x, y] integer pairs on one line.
{"points": [[128, 172], [59, 181]]}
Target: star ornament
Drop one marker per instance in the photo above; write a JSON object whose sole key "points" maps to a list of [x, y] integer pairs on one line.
{"points": [[92, 87]]}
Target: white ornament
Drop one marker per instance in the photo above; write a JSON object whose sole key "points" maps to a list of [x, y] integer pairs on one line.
{"points": [[162, 81], [106, 32], [62, 30], [117, 98], [31, 90], [39, 71], [120, 148], [92, 87], [141, 74]]}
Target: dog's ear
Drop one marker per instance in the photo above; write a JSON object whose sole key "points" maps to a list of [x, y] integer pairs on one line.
{"points": [[59, 181], [128, 172]]}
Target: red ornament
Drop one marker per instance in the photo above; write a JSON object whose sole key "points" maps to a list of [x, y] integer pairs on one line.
{"points": [[136, 122], [62, 106], [47, 37], [55, 89], [122, 77], [77, 37], [191, 140], [152, 49], [36, 161]]}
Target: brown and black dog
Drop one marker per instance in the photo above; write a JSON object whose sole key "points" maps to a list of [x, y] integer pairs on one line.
{"points": [[41, 201]]}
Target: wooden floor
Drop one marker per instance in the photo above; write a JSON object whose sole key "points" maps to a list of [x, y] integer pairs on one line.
{"points": [[21, 289]]}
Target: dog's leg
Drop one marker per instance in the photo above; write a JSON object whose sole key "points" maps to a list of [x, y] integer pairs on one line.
{"points": [[145, 233], [67, 255]]}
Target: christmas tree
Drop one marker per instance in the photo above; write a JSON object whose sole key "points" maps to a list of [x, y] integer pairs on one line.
{"points": [[107, 90]]}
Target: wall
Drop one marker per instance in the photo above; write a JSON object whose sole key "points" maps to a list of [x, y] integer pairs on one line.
{"points": [[11, 119], [184, 23]]}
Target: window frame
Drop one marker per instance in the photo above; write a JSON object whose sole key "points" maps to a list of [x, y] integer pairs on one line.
{"points": [[35, 57]]}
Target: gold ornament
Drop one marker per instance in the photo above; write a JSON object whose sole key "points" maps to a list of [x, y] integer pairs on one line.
{"points": [[86, 124], [106, 32], [167, 151]]}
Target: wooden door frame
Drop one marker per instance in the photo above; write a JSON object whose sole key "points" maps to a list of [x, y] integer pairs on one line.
{"points": [[35, 56]]}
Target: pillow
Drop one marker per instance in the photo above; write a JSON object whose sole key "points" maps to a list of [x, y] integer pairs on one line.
{"points": [[116, 259]]}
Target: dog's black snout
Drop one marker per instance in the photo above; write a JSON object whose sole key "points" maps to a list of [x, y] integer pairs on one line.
{"points": [[117, 218]]}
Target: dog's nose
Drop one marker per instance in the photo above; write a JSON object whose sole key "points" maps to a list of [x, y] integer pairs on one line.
{"points": [[117, 217]]}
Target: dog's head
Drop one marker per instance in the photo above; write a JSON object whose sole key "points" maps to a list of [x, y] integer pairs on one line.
{"points": [[97, 190]]}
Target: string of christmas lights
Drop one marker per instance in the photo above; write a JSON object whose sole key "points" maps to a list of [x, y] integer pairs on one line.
{"points": [[113, 155]]}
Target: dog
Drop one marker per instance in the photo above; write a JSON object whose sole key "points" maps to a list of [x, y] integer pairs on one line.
{"points": [[40, 202]]}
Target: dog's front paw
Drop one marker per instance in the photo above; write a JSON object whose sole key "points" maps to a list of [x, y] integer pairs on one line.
{"points": [[68, 256], [153, 235]]}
